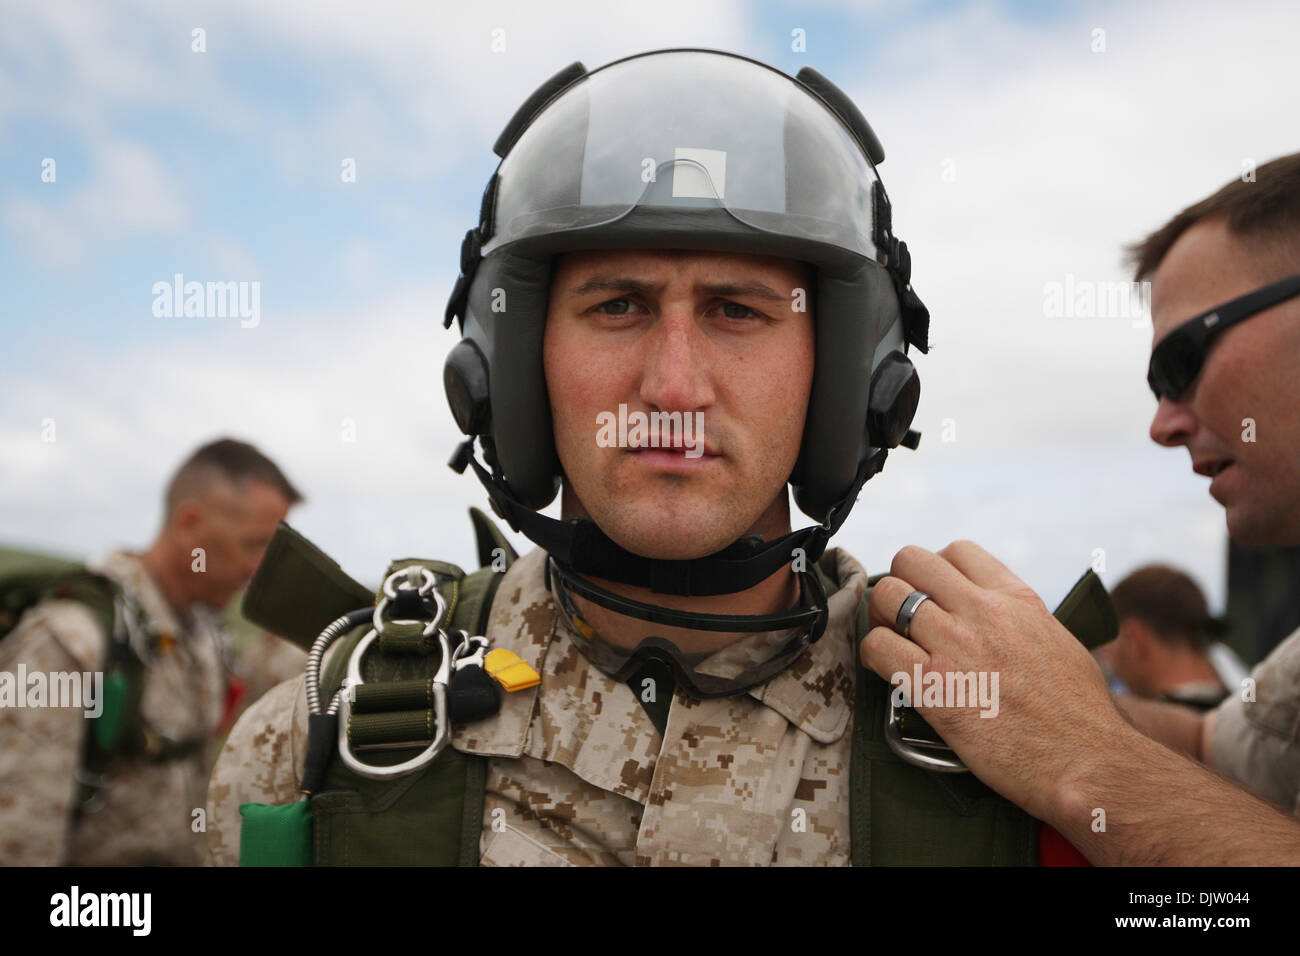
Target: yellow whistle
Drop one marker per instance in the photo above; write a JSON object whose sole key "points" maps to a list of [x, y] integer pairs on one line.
{"points": [[510, 669]]}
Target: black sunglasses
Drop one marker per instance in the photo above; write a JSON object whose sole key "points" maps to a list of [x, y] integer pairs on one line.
{"points": [[1177, 358]]}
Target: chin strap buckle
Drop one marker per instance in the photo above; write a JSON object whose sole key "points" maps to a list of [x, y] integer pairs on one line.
{"points": [[461, 457]]}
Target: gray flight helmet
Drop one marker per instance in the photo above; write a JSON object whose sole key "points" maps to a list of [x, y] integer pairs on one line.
{"points": [[690, 149]]}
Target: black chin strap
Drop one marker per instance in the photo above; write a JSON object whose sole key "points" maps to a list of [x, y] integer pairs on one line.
{"points": [[814, 615], [581, 547]]}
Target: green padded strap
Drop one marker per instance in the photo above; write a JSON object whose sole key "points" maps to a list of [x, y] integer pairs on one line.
{"points": [[298, 590], [489, 537], [394, 727], [399, 711], [433, 816], [476, 593], [335, 667], [409, 638], [394, 695], [464, 772], [471, 818], [393, 709], [1088, 613]]}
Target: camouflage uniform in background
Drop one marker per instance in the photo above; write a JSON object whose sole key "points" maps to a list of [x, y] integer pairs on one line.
{"points": [[580, 775], [257, 661], [1257, 743], [145, 815]]}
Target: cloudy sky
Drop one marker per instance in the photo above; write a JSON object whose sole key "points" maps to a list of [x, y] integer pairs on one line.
{"points": [[1025, 146]]}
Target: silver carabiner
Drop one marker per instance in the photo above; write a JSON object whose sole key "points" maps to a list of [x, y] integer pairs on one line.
{"points": [[464, 657], [347, 696], [424, 589]]}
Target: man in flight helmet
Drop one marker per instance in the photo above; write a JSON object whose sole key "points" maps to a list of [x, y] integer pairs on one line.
{"points": [[732, 220], [683, 294]]}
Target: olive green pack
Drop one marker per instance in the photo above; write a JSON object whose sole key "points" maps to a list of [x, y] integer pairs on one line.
{"points": [[118, 730], [900, 814]]}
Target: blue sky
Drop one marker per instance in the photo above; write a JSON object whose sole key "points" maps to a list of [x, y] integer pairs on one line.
{"points": [[1017, 153]]}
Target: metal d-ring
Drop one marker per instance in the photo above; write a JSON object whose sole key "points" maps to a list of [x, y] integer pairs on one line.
{"points": [[347, 697], [911, 750]]}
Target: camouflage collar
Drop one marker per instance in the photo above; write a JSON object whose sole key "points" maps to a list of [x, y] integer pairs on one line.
{"points": [[815, 693]]}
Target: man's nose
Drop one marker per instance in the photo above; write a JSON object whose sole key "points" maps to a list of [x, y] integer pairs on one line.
{"points": [[1173, 423], [675, 375]]}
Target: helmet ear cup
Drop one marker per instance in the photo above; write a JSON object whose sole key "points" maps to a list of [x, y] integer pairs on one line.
{"points": [[465, 379], [857, 313], [895, 392], [505, 324]]}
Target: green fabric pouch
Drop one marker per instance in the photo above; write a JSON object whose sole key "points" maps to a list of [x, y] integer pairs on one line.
{"points": [[275, 836]]}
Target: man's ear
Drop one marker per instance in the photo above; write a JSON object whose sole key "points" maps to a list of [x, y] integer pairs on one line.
{"points": [[1142, 642], [188, 518]]}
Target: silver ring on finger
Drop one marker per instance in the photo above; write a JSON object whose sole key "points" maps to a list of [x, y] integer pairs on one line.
{"points": [[903, 623]]}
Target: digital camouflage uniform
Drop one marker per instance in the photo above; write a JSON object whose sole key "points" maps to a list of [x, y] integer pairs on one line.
{"points": [[147, 811], [258, 661], [1257, 742], [579, 773]]}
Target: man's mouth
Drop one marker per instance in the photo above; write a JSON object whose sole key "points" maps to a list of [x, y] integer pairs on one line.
{"points": [[1211, 467], [677, 445], [678, 451], [675, 457]]}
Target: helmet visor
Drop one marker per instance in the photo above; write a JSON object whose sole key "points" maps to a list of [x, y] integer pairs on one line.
{"points": [[683, 130]]}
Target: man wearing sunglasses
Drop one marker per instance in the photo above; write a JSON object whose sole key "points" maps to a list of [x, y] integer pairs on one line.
{"points": [[1225, 368]]}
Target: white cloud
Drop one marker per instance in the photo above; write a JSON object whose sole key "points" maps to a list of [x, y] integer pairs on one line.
{"points": [[130, 192], [358, 261], [231, 258], [287, 385], [47, 237], [1060, 155]]}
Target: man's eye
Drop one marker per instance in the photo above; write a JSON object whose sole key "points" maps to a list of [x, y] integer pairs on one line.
{"points": [[616, 307], [734, 310]]}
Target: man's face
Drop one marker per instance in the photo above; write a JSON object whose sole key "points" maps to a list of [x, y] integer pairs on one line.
{"points": [[1249, 376], [674, 331], [233, 524]]}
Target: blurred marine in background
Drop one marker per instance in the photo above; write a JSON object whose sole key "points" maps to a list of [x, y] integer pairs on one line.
{"points": [[112, 677], [1166, 648]]}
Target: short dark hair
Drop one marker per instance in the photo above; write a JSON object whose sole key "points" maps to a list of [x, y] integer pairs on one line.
{"points": [[1169, 602], [1266, 209], [235, 461]]}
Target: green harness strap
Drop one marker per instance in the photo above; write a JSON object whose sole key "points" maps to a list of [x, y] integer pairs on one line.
{"points": [[359, 821], [900, 814], [432, 817]]}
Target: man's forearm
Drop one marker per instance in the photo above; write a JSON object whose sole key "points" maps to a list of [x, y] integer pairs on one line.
{"points": [[1137, 803], [1173, 725]]}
